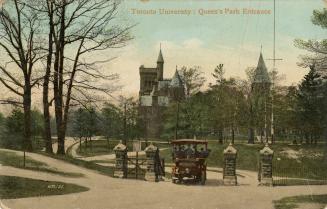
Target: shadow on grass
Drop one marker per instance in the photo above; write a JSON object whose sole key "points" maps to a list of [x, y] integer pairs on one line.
{"points": [[8, 158], [105, 170], [293, 202], [12, 187]]}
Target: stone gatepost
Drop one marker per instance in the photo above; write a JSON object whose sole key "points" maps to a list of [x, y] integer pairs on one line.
{"points": [[121, 160], [229, 172], [151, 153], [265, 166]]}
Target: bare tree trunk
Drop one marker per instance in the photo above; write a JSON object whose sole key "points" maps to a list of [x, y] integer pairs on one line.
{"points": [[251, 136], [46, 121], [27, 118], [80, 143], [58, 83], [220, 135], [251, 129], [46, 112], [233, 135]]}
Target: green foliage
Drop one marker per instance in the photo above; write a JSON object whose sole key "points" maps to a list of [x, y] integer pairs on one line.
{"points": [[130, 120], [219, 73], [112, 121], [84, 122], [228, 106], [193, 79], [286, 112], [12, 132], [320, 18], [309, 101], [192, 117], [12, 187], [318, 48], [37, 123]]}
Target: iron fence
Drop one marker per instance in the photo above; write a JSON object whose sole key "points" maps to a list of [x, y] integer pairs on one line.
{"points": [[286, 176]]}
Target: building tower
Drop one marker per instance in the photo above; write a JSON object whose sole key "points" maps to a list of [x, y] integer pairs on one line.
{"points": [[260, 91], [160, 66], [156, 92]]}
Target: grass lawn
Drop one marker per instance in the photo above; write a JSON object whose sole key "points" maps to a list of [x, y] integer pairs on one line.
{"points": [[105, 170], [12, 187], [96, 147], [14, 160], [293, 202]]}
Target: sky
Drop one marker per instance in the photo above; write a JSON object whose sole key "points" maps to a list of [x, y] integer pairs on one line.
{"points": [[225, 36], [202, 40]]}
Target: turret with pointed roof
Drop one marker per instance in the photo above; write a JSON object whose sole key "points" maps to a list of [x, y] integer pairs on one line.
{"points": [[176, 81], [160, 58], [261, 73], [160, 66], [176, 87]]}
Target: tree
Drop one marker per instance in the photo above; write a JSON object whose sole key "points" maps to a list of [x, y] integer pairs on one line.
{"points": [[309, 102], [37, 123], [111, 121], [219, 73], [81, 27], [79, 124], [14, 130], [2, 121], [19, 28], [318, 48], [46, 79], [286, 118], [193, 79], [129, 114], [317, 57]]}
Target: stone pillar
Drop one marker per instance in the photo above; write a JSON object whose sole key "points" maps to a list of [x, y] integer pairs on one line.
{"points": [[265, 166], [151, 152], [121, 160], [229, 172]]}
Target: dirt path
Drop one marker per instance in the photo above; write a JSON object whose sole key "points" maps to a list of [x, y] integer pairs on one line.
{"points": [[112, 193]]}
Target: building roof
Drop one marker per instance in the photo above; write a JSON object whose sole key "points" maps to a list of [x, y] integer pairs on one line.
{"points": [[160, 57], [176, 81], [261, 73]]}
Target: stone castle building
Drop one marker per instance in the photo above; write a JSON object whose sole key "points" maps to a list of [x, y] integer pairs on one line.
{"points": [[155, 94]]}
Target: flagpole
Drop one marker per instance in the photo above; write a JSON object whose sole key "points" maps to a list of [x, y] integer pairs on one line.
{"points": [[273, 80]]}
